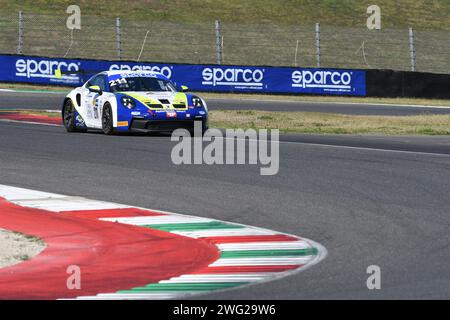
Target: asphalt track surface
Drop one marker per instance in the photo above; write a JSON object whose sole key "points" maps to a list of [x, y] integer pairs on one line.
{"points": [[39, 100], [385, 206]]}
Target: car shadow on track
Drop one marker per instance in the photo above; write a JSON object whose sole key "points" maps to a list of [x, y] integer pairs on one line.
{"points": [[130, 134]]}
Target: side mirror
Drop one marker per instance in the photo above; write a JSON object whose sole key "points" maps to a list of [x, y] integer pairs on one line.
{"points": [[95, 89], [184, 88]]}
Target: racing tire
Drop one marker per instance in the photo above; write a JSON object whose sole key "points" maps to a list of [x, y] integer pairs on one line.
{"points": [[107, 120], [68, 117], [204, 129]]}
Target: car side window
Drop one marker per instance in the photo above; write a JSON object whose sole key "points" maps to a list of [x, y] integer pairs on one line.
{"points": [[99, 80]]}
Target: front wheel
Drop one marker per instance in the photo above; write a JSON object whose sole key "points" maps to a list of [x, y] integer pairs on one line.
{"points": [[68, 115], [204, 128], [107, 120]]}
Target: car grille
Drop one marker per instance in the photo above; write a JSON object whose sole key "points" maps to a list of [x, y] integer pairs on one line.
{"points": [[155, 106], [164, 101], [161, 125]]}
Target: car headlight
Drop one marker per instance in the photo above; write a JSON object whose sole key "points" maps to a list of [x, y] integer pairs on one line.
{"points": [[197, 102], [127, 102]]}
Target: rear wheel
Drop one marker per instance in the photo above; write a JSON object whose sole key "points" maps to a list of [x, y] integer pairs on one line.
{"points": [[68, 115], [107, 120]]}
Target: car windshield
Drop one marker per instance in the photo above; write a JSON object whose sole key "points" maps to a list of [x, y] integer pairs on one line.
{"points": [[141, 84]]}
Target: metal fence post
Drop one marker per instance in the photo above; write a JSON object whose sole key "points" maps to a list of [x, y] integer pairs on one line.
{"points": [[318, 44], [118, 39], [20, 39], [412, 49], [219, 48], [296, 53]]}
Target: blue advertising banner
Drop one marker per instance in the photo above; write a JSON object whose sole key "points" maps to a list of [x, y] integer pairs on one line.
{"points": [[41, 70]]}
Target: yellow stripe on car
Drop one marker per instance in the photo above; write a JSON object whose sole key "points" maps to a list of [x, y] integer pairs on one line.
{"points": [[180, 98]]}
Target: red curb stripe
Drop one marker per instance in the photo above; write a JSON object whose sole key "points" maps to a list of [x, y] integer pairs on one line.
{"points": [[111, 256], [112, 213], [245, 269], [238, 239], [32, 118]]}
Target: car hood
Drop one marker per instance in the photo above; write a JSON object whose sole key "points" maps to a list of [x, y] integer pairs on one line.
{"points": [[165, 98]]}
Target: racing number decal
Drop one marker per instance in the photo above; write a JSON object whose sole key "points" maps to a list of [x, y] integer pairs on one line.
{"points": [[87, 103], [117, 82], [92, 103]]}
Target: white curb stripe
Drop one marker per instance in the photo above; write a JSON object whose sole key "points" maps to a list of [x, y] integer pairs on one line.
{"points": [[225, 275], [225, 232], [216, 278], [12, 194], [52, 201], [272, 261], [67, 204], [263, 246], [140, 221], [131, 296]]}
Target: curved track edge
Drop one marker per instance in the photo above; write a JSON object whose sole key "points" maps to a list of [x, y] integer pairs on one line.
{"points": [[227, 255]]}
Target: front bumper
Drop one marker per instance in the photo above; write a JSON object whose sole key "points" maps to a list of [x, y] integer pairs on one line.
{"points": [[143, 125]]}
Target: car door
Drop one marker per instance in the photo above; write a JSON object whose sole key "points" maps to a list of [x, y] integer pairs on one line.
{"points": [[93, 101]]}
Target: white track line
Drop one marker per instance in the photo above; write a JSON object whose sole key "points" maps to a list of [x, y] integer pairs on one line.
{"points": [[32, 91], [370, 104], [31, 122]]}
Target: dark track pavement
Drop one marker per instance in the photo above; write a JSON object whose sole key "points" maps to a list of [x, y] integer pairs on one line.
{"points": [[38, 100], [367, 207]]}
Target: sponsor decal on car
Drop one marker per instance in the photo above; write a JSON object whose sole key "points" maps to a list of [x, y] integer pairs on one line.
{"points": [[171, 114], [79, 121], [122, 124]]}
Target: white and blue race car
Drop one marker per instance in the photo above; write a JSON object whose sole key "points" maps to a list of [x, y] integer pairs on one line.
{"points": [[125, 101]]}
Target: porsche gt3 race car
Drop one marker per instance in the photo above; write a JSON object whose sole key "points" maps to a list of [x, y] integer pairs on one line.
{"points": [[140, 101]]}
